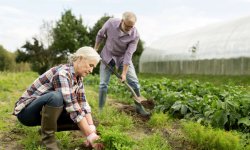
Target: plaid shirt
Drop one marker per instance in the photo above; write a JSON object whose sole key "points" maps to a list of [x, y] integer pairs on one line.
{"points": [[61, 78]]}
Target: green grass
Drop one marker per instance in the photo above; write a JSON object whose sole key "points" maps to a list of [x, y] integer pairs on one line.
{"points": [[209, 138], [119, 130], [156, 141], [159, 120], [12, 85]]}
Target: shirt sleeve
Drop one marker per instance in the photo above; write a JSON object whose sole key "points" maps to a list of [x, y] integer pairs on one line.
{"points": [[63, 84], [102, 32], [82, 98], [130, 50]]}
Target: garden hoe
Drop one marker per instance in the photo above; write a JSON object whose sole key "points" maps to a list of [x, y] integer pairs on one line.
{"points": [[137, 100]]}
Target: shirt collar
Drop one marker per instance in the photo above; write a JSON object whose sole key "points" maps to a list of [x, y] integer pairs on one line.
{"points": [[72, 71], [120, 30], [71, 68]]}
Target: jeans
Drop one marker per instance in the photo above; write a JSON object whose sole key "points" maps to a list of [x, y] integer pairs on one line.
{"points": [[105, 74], [30, 115]]}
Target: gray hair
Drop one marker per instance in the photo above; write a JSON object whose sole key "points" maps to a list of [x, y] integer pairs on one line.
{"points": [[129, 16], [85, 52]]}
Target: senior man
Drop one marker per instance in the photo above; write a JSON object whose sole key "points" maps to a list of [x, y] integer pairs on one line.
{"points": [[121, 42]]}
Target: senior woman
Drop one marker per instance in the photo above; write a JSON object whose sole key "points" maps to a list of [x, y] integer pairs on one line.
{"points": [[58, 96]]}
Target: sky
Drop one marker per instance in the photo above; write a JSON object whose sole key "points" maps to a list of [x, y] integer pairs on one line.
{"points": [[20, 20]]}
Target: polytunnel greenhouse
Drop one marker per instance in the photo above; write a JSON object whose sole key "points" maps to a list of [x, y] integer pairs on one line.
{"points": [[218, 49]]}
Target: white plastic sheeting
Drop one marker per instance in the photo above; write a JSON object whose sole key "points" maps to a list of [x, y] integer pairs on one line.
{"points": [[222, 41]]}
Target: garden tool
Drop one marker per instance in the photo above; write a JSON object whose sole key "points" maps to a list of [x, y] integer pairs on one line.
{"points": [[137, 100]]}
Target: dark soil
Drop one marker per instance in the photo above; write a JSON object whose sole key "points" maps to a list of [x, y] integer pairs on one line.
{"points": [[130, 109]]}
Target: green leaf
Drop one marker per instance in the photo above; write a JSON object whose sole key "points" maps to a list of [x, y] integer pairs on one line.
{"points": [[183, 109], [176, 106], [220, 118], [245, 121]]}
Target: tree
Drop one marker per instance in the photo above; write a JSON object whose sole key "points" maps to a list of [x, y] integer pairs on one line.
{"points": [[35, 54], [137, 55], [69, 34], [98, 25], [92, 36], [7, 61]]}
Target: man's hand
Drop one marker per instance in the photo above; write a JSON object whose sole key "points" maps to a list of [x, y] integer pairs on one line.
{"points": [[124, 73], [123, 79]]}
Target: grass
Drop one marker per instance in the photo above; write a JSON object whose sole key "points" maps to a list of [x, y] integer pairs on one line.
{"points": [[156, 141], [159, 120], [119, 130], [209, 138]]}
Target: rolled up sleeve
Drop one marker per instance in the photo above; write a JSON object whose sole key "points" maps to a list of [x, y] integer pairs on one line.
{"points": [[129, 53], [102, 32]]}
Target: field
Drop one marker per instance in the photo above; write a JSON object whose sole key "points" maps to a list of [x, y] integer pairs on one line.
{"points": [[188, 113]]}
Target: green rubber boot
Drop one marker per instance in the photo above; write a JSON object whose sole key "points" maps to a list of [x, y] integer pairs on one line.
{"points": [[140, 110], [50, 116]]}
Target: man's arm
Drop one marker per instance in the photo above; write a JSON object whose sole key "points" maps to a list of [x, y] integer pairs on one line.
{"points": [[97, 45], [124, 72], [128, 57], [101, 35]]}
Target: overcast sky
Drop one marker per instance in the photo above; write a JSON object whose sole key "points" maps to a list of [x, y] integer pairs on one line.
{"points": [[20, 20]]}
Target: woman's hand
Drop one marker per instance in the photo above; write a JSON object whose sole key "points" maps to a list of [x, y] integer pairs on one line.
{"points": [[91, 141], [92, 128]]}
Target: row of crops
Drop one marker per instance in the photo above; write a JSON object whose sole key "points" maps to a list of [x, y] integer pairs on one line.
{"points": [[225, 106]]}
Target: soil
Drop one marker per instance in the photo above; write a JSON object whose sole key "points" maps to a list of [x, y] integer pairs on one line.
{"points": [[8, 139], [130, 109]]}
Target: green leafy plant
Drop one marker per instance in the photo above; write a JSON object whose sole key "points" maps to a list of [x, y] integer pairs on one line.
{"points": [[114, 139], [159, 120]]}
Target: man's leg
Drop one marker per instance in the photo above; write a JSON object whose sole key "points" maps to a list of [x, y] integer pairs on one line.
{"points": [[104, 81], [133, 80], [134, 83]]}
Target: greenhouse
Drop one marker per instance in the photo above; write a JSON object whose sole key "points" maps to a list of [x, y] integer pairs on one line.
{"points": [[218, 49]]}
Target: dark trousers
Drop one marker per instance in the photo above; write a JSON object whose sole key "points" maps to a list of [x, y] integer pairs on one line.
{"points": [[31, 115]]}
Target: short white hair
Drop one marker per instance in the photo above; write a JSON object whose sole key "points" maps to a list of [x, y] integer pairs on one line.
{"points": [[85, 52], [129, 16]]}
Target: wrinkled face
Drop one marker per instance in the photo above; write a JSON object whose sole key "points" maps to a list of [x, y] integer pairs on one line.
{"points": [[127, 25], [83, 67]]}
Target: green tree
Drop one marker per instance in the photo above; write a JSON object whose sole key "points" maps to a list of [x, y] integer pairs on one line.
{"points": [[137, 54], [92, 36], [69, 34], [7, 61], [35, 54], [98, 25]]}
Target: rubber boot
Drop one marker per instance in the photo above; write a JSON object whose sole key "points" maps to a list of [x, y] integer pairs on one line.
{"points": [[50, 116], [138, 106], [140, 109], [102, 99]]}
